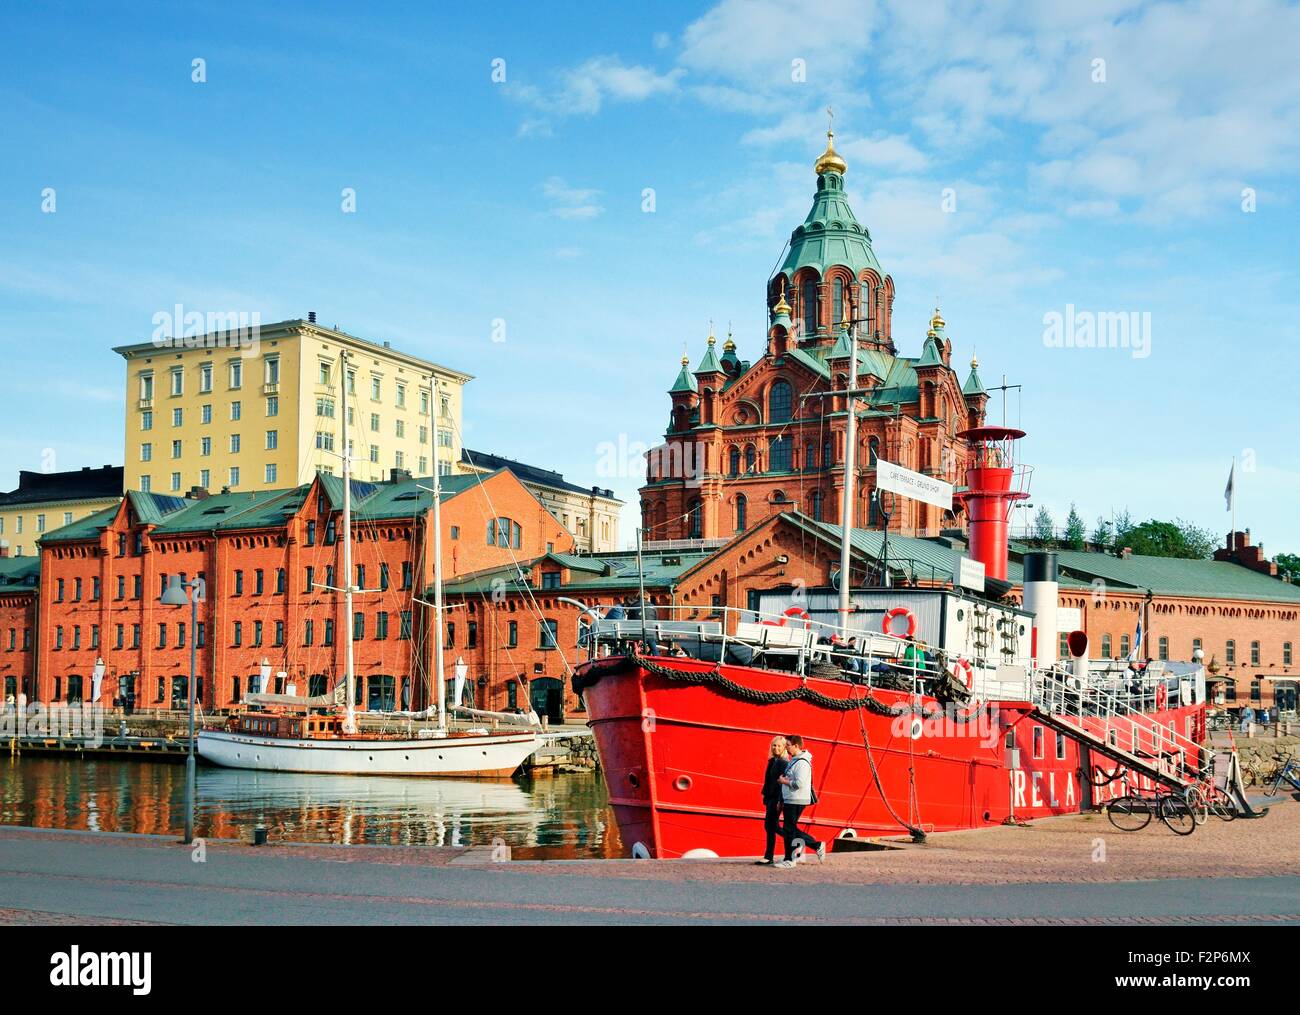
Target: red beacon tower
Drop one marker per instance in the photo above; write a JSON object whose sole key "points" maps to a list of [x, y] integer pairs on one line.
{"points": [[994, 482]]}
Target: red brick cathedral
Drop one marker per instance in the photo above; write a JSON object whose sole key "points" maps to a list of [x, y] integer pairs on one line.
{"points": [[745, 441]]}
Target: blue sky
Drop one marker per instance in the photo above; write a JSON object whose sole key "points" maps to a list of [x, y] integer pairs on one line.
{"points": [[1114, 187]]}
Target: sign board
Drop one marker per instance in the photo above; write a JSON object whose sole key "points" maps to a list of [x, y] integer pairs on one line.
{"points": [[1068, 618], [970, 574], [903, 481]]}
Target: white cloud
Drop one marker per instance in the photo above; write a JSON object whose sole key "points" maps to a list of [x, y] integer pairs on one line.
{"points": [[572, 202], [584, 89]]}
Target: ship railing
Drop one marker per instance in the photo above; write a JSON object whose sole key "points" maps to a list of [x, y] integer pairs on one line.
{"points": [[1094, 709], [796, 644]]}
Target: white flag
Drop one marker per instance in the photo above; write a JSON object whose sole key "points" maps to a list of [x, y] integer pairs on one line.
{"points": [[1227, 491]]}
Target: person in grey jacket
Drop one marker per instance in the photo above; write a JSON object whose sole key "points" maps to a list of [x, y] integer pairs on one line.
{"points": [[796, 794]]}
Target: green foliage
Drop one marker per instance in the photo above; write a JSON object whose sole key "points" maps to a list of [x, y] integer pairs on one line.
{"points": [[1074, 531], [1043, 526], [1288, 564], [1102, 534], [1167, 539]]}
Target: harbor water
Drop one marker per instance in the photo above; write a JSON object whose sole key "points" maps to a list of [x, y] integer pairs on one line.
{"points": [[539, 817]]}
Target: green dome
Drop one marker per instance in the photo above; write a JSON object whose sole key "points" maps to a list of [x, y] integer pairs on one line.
{"points": [[831, 234]]}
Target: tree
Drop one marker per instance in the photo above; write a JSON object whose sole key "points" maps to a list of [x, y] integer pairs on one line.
{"points": [[1169, 539], [1123, 526], [1288, 565], [1043, 527], [1101, 535], [1074, 531]]}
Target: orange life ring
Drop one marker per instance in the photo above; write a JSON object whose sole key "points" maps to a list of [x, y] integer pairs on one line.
{"points": [[899, 611], [797, 613], [963, 665], [1162, 697]]}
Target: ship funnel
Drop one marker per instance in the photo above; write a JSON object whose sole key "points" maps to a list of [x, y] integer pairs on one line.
{"points": [[1078, 645], [993, 484], [1040, 600]]}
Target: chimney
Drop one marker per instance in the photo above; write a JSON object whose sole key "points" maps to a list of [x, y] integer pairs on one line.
{"points": [[1041, 591], [1126, 553], [398, 475], [198, 493], [4, 548], [311, 317]]}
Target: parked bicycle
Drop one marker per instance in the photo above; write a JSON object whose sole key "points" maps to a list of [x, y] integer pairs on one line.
{"points": [[1289, 774], [1180, 812]]}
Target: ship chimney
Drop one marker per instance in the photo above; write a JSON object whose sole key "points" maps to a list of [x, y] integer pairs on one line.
{"points": [[1040, 599], [311, 317]]}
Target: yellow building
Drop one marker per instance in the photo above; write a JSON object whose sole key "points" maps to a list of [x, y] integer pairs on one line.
{"points": [[259, 409], [45, 501]]}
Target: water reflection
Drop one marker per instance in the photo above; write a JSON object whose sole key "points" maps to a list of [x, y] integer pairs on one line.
{"points": [[547, 816]]}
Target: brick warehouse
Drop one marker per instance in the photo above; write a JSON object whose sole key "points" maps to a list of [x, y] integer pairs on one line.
{"points": [[260, 554], [745, 441]]}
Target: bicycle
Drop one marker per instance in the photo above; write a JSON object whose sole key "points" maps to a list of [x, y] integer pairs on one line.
{"points": [[1133, 813], [1288, 773]]}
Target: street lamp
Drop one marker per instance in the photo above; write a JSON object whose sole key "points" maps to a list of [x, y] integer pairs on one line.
{"points": [[178, 593]]}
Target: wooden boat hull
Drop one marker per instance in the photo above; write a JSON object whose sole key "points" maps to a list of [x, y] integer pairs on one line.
{"points": [[474, 756]]}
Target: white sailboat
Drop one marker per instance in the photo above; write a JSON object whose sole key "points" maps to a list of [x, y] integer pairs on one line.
{"points": [[285, 735]]}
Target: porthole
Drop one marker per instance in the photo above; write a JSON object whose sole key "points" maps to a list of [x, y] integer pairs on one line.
{"points": [[633, 780], [961, 615], [682, 783]]}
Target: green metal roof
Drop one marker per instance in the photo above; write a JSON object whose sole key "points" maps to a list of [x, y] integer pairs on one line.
{"points": [[710, 364], [831, 234], [601, 572], [973, 385], [930, 355], [1212, 579], [85, 528], [18, 573], [685, 380]]}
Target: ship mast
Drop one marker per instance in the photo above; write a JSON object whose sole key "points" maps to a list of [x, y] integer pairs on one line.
{"points": [[850, 475], [439, 679], [350, 720]]}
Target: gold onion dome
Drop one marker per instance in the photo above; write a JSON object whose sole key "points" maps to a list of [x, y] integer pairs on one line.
{"points": [[729, 344], [974, 362], [782, 307], [937, 320], [829, 161]]}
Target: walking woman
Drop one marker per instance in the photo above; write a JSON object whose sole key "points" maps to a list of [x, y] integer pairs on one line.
{"points": [[772, 801]]}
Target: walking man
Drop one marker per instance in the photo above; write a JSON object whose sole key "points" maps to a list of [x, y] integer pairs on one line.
{"points": [[796, 794]]}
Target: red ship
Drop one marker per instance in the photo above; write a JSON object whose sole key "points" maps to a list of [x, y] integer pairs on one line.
{"points": [[967, 720]]}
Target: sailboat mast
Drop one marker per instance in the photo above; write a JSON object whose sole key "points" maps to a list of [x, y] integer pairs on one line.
{"points": [[439, 679], [850, 475], [350, 722]]}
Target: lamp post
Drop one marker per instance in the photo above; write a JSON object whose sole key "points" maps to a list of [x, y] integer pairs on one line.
{"points": [[178, 593]]}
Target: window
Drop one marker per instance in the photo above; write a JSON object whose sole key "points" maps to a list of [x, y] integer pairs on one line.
{"points": [[407, 574], [404, 628], [751, 459], [1164, 648], [325, 407], [178, 381], [1123, 646], [374, 422], [205, 446], [1038, 742], [741, 504], [273, 405], [308, 631], [259, 581], [695, 519], [1105, 646], [734, 465], [311, 533], [451, 636], [779, 403], [236, 374], [176, 481], [329, 632], [323, 372], [1286, 653], [550, 579], [548, 631], [257, 633], [234, 475], [1254, 653], [146, 387], [358, 626], [401, 428], [512, 634], [808, 302], [401, 396], [176, 449], [1230, 651], [281, 581], [270, 473], [236, 411], [779, 455], [235, 443], [239, 583], [1060, 746], [1196, 646], [471, 634], [817, 505], [381, 626], [376, 387], [873, 451], [838, 301], [205, 378], [272, 369], [146, 455], [205, 414], [1063, 646], [146, 420]]}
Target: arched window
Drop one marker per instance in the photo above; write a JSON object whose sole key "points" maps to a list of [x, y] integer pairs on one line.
{"points": [[741, 504], [873, 509], [809, 303], [695, 519], [779, 402], [839, 300], [828, 457], [735, 462], [751, 459], [873, 451], [817, 505], [778, 455], [810, 456], [1105, 646], [505, 533]]}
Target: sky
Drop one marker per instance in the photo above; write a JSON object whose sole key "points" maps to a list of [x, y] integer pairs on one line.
{"points": [[558, 199]]}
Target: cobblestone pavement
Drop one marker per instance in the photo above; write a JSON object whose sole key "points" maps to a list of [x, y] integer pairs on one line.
{"points": [[1053, 872]]}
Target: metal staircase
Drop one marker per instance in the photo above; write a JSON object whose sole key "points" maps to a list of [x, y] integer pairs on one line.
{"points": [[1095, 718]]}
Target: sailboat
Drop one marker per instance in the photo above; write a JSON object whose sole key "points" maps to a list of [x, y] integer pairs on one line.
{"points": [[288, 733]]}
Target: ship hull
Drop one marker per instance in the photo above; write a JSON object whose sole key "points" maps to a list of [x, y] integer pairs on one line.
{"points": [[493, 756], [684, 761]]}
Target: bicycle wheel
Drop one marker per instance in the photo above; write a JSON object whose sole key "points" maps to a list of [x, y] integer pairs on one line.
{"points": [[1194, 797], [1177, 815], [1223, 808], [1129, 814]]}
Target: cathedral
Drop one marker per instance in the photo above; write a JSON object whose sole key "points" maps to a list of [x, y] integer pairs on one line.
{"points": [[748, 440]]}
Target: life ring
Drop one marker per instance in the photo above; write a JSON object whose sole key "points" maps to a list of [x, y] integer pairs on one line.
{"points": [[964, 666], [797, 613], [899, 611], [1162, 697]]}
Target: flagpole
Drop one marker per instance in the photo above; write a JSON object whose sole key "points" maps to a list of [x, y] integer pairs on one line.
{"points": [[1232, 539]]}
